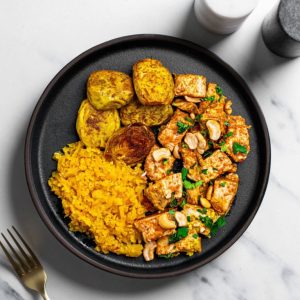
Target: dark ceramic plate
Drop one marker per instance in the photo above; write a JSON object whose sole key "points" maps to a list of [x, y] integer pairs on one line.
{"points": [[52, 126]]}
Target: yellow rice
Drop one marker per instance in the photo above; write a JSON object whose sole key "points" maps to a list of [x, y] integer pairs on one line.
{"points": [[101, 198]]}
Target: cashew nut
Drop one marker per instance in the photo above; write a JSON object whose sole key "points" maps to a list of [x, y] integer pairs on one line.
{"points": [[176, 152], [161, 154], [209, 192], [181, 219], [165, 222], [201, 143], [228, 108], [205, 203], [148, 251], [192, 99], [191, 140], [214, 129], [192, 115]]}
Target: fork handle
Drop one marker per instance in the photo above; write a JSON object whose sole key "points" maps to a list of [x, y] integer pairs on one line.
{"points": [[45, 296]]}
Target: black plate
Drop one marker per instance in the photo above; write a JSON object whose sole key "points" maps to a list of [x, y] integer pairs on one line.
{"points": [[52, 126]]}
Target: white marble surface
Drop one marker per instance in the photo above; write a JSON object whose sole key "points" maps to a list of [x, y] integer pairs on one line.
{"points": [[37, 38]]}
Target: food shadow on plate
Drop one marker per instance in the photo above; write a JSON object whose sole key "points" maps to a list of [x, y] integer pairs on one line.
{"points": [[193, 31], [50, 251]]}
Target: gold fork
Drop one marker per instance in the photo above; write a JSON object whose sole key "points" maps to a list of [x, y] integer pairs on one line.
{"points": [[26, 264]]}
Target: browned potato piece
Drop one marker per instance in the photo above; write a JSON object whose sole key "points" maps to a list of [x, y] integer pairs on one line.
{"points": [[130, 144], [191, 85], [225, 189], [108, 89], [95, 127], [153, 83], [135, 112]]}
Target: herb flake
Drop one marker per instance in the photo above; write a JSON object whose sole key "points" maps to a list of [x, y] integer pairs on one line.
{"points": [[181, 233], [238, 148]]}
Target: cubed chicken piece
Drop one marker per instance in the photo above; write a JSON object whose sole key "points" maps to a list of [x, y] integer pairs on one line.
{"points": [[190, 244], [191, 163], [212, 91], [224, 192], [215, 165], [194, 214], [161, 192], [158, 163], [194, 195], [171, 135], [150, 228], [191, 85], [238, 142]]}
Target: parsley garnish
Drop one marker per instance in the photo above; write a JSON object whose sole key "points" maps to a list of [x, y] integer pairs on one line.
{"points": [[183, 203], [174, 203], [223, 183], [239, 148], [189, 120], [217, 225], [230, 133], [207, 221], [195, 235], [226, 123], [171, 211], [167, 256], [181, 233], [211, 98], [210, 144], [211, 182], [198, 117], [189, 185], [215, 169], [207, 153], [184, 172], [168, 172], [182, 127], [204, 171], [165, 161], [223, 148], [188, 218], [219, 90], [184, 145]]}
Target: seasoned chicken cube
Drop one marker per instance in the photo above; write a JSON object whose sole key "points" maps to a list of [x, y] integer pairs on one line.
{"points": [[172, 134], [224, 192], [191, 85], [158, 163], [161, 192], [237, 142], [215, 165], [212, 91], [150, 228], [191, 163], [194, 195], [196, 215], [189, 244]]}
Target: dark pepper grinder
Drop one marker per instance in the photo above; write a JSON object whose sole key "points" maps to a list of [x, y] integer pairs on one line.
{"points": [[281, 29]]}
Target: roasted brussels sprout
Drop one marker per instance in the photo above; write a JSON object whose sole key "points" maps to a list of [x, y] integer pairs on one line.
{"points": [[135, 112], [153, 83], [108, 89], [94, 127], [130, 144]]}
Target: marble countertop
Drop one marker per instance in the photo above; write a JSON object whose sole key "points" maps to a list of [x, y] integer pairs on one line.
{"points": [[39, 37]]}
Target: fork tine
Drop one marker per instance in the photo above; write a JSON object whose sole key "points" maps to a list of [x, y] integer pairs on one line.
{"points": [[21, 261], [29, 261], [12, 261], [27, 247]]}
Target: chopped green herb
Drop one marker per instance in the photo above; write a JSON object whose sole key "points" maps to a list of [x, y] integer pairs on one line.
{"points": [[165, 161], [182, 127], [215, 169], [207, 221], [195, 235], [184, 172], [230, 133], [174, 203], [184, 145], [210, 144], [221, 222], [223, 183], [204, 210], [181, 233], [188, 218], [189, 120], [198, 117], [204, 171], [219, 90], [167, 256], [239, 148], [211, 182], [223, 148], [171, 211], [168, 172], [226, 123], [189, 185], [211, 98], [183, 203], [207, 153]]}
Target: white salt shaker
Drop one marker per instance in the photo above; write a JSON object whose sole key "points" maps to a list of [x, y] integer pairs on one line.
{"points": [[223, 16]]}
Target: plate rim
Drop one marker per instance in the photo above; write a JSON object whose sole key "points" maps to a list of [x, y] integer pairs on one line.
{"points": [[28, 147]]}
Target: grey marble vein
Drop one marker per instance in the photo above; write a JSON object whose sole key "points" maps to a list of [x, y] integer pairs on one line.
{"points": [[8, 293]]}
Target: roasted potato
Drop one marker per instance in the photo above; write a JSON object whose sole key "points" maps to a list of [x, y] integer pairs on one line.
{"points": [[191, 85], [95, 127], [108, 89], [135, 112], [130, 144], [153, 83]]}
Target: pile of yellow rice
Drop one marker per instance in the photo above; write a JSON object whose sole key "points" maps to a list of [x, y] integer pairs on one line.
{"points": [[102, 198]]}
